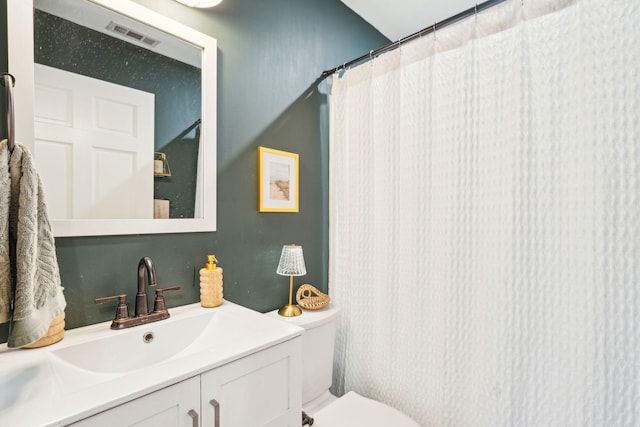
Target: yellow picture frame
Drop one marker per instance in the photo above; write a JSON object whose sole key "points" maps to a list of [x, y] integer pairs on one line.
{"points": [[277, 181]]}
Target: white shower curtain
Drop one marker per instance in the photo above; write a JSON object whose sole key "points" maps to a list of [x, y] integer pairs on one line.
{"points": [[485, 219]]}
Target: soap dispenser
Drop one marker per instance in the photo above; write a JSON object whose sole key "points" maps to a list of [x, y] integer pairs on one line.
{"points": [[211, 283]]}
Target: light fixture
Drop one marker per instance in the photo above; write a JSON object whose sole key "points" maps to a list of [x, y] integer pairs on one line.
{"points": [[200, 3], [291, 264]]}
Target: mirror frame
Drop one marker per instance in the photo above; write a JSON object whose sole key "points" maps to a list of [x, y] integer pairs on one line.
{"points": [[21, 66]]}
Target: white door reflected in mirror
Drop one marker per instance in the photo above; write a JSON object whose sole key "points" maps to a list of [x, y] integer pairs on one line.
{"points": [[92, 145]]}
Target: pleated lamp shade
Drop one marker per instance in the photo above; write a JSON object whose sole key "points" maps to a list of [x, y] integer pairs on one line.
{"points": [[291, 264], [291, 261]]}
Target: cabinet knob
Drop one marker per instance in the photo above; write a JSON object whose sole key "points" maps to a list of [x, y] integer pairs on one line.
{"points": [[194, 417]]}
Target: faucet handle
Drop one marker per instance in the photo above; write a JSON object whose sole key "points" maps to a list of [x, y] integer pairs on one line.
{"points": [[159, 302], [122, 311]]}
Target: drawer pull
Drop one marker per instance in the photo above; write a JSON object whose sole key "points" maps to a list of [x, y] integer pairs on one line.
{"points": [[194, 417], [216, 412]]}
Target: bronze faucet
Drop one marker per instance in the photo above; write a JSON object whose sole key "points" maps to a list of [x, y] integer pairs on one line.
{"points": [[142, 315], [141, 297]]}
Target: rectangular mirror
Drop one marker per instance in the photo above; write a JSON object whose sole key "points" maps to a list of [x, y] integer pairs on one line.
{"points": [[118, 105]]}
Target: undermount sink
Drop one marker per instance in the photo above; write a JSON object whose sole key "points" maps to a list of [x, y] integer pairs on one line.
{"points": [[146, 345]]}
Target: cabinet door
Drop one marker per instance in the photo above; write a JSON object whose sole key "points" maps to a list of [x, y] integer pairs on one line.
{"points": [[263, 389], [168, 407]]}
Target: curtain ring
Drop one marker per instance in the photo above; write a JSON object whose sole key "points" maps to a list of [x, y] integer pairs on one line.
{"points": [[434, 31], [476, 12]]}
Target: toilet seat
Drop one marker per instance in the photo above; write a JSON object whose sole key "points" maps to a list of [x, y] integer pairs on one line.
{"points": [[353, 410]]}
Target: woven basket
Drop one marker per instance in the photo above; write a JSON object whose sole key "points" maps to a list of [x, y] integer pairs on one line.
{"points": [[311, 298], [53, 335]]}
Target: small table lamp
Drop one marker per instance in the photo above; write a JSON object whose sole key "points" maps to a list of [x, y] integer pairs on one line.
{"points": [[291, 264]]}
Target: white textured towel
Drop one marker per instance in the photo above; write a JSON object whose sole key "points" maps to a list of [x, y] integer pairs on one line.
{"points": [[30, 290]]}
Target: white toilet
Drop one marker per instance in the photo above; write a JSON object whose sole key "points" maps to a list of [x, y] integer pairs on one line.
{"points": [[350, 410]]}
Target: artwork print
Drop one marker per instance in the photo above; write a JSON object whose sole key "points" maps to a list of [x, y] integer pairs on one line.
{"points": [[278, 180]]}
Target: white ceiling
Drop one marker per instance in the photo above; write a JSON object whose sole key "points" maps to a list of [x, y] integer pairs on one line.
{"points": [[399, 18]]}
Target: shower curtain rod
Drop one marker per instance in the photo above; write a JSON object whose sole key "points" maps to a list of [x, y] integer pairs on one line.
{"points": [[455, 18]]}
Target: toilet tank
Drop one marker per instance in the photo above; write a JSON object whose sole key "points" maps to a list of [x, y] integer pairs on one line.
{"points": [[318, 343]]}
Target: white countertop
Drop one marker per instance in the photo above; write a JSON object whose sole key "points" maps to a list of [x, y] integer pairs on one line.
{"points": [[39, 389]]}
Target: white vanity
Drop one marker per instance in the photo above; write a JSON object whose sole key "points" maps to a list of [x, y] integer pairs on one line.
{"points": [[227, 366]]}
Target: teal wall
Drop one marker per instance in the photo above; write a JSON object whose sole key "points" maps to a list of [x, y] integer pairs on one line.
{"points": [[270, 57]]}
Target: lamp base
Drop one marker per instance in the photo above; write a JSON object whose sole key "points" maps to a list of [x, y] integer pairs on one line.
{"points": [[290, 310]]}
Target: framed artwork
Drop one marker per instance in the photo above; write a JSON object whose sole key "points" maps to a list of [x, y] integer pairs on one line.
{"points": [[278, 180]]}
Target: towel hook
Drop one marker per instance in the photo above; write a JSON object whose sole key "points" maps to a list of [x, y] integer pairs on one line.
{"points": [[8, 81]]}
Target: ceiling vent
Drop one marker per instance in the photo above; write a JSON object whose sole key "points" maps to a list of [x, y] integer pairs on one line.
{"points": [[130, 34]]}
